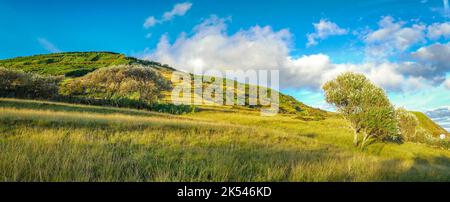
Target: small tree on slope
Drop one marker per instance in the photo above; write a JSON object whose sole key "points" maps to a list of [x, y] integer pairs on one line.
{"points": [[408, 124], [364, 105]]}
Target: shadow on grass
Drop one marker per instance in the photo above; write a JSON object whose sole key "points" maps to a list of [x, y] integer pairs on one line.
{"points": [[124, 161], [421, 170], [8, 125], [309, 135], [54, 106]]}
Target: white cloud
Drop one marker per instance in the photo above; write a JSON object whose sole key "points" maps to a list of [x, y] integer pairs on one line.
{"points": [[47, 45], [438, 30], [433, 62], [210, 47], [177, 10], [392, 37], [324, 29], [150, 22]]}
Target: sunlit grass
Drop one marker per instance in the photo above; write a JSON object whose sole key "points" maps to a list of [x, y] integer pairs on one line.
{"points": [[62, 142]]}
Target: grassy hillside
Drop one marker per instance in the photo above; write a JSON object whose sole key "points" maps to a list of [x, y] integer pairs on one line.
{"points": [[47, 141], [430, 125], [77, 64], [70, 64]]}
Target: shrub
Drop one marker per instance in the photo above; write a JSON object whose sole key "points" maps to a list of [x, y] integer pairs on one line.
{"points": [[27, 85], [130, 103], [364, 105], [172, 108], [118, 82], [120, 86], [407, 123]]}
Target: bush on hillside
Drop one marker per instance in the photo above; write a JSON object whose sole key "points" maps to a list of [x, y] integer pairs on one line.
{"points": [[412, 131], [118, 82], [19, 84], [407, 123], [365, 106], [120, 86]]}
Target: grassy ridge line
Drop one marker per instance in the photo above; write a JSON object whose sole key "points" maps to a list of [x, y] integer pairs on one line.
{"points": [[42, 146], [428, 124], [73, 64]]}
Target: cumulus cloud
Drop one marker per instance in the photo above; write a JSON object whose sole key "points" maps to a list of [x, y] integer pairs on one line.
{"points": [[47, 45], [392, 37], [179, 9], [324, 29], [438, 30], [433, 62], [211, 47]]}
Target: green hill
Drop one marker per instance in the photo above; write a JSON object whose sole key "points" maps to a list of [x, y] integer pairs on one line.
{"points": [[71, 64], [426, 123], [77, 64]]}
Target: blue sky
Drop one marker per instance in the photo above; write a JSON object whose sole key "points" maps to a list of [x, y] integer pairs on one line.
{"points": [[401, 45], [117, 25]]}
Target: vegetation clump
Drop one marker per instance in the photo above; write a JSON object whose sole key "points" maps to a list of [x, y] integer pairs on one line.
{"points": [[365, 106], [124, 81], [408, 124], [414, 130], [15, 83]]}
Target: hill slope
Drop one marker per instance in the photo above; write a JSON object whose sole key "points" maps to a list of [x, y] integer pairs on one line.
{"points": [[426, 123], [77, 64], [71, 64]]}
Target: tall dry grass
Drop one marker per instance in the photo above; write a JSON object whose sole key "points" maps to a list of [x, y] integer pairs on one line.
{"points": [[61, 142]]}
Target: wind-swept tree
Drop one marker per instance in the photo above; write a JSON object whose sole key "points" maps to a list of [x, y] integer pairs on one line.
{"points": [[364, 105]]}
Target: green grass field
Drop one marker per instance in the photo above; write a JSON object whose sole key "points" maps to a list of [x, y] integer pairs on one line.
{"points": [[47, 141]]}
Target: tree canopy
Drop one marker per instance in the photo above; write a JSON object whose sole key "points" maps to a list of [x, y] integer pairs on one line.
{"points": [[364, 105]]}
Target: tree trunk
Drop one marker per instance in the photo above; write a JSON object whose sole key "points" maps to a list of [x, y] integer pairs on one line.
{"points": [[355, 138], [363, 143]]}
